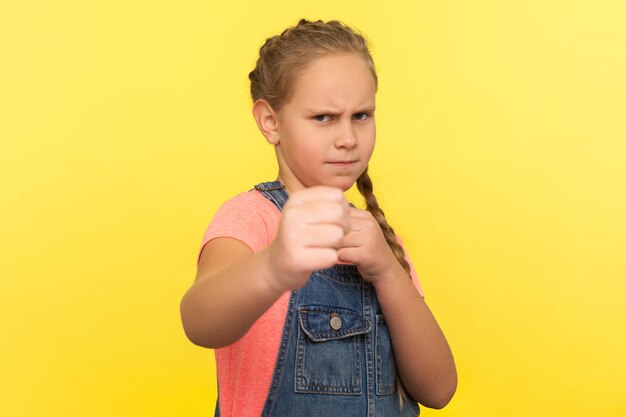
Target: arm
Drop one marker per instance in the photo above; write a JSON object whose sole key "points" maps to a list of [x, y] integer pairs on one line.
{"points": [[234, 286], [231, 291], [423, 357]]}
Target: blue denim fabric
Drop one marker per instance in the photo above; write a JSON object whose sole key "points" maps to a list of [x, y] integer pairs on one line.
{"points": [[335, 356]]}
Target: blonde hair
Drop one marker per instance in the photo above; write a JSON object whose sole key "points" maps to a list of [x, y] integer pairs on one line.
{"points": [[283, 58]]}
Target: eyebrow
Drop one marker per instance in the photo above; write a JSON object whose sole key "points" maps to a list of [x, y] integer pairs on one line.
{"points": [[368, 109]]}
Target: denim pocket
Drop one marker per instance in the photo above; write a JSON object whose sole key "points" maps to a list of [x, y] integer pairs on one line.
{"points": [[328, 350], [385, 360]]}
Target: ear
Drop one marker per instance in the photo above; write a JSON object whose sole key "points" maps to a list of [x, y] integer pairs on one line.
{"points": [[267, 120]]}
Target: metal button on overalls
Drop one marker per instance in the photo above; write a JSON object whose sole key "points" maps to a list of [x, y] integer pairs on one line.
{"points": [[335, 321]]}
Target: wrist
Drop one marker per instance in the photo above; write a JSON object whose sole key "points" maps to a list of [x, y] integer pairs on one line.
{"points": [[270, 277], [391, 275]]}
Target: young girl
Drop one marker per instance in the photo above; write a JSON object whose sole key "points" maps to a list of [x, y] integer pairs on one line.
{"points": [[311, 304]]}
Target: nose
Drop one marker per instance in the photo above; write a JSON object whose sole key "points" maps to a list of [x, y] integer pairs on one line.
{"points": [[346, 137]]}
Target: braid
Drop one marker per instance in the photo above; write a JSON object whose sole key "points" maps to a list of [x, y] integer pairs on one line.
{"points": [[365, 187], [364, 184]]}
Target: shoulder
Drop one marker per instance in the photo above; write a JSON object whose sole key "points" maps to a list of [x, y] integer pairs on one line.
{"points": [[249, 210], [248, 217], [248, 203], [248, 199]]}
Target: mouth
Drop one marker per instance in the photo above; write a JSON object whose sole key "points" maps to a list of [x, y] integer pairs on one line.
{"points": [[342, 163]]}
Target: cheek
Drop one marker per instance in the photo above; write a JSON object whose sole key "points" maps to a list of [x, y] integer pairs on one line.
{"points": [[370, 138], [309, 153]]}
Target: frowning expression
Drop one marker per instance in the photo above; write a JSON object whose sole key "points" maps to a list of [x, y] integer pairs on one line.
{"points": [[326, 131]]}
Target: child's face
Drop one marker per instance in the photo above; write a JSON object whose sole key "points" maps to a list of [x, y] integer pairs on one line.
{"points": [[327, 130]]}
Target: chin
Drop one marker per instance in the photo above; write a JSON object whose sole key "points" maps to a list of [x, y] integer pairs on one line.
{"points": [[345, 185]]}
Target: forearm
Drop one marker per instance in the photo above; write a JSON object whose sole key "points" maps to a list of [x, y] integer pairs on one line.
{"points": [[220, 308], [423, 357]]}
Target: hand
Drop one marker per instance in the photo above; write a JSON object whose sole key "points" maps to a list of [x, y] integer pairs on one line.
{"points": [[365, 246], [312, 226]]}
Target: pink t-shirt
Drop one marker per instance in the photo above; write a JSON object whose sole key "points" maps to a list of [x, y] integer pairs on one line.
{"points": [[245, 368]]}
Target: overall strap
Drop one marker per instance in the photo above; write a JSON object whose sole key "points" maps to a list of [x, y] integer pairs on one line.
{"points": [[274, 191]]}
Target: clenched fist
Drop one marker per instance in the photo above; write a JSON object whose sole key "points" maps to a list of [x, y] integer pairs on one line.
{"points": [[312, 227]]}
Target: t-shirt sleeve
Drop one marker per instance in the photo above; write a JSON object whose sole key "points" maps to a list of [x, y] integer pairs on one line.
{"points": [[414, 278], [238, 218]]}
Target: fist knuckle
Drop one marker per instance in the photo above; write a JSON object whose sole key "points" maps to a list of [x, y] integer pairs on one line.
{"points": [[338, 234], [338, 211]]}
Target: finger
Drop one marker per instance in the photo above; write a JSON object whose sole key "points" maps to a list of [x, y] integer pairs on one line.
{"points": [[349, 255], [321, 212], [362, 221], [323, 236], [359, 213], [357, 223], [350, 240], [325, 211], [317, 193], [321, 258]]}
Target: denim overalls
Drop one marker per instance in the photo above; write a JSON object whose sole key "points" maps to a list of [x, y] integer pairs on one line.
{"points": [[335, 356]]}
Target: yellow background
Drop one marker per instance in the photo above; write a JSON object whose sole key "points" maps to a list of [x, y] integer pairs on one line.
{"points": [[501, 160]]}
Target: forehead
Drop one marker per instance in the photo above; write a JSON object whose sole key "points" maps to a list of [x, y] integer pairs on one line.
{"points": [[336, 80]]}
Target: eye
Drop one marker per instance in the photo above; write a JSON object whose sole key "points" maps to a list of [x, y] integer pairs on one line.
{"points": [[361, 116], [320, 117]]}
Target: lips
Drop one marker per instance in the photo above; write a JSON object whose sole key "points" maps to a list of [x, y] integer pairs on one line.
{"points": [[342, 162]]}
